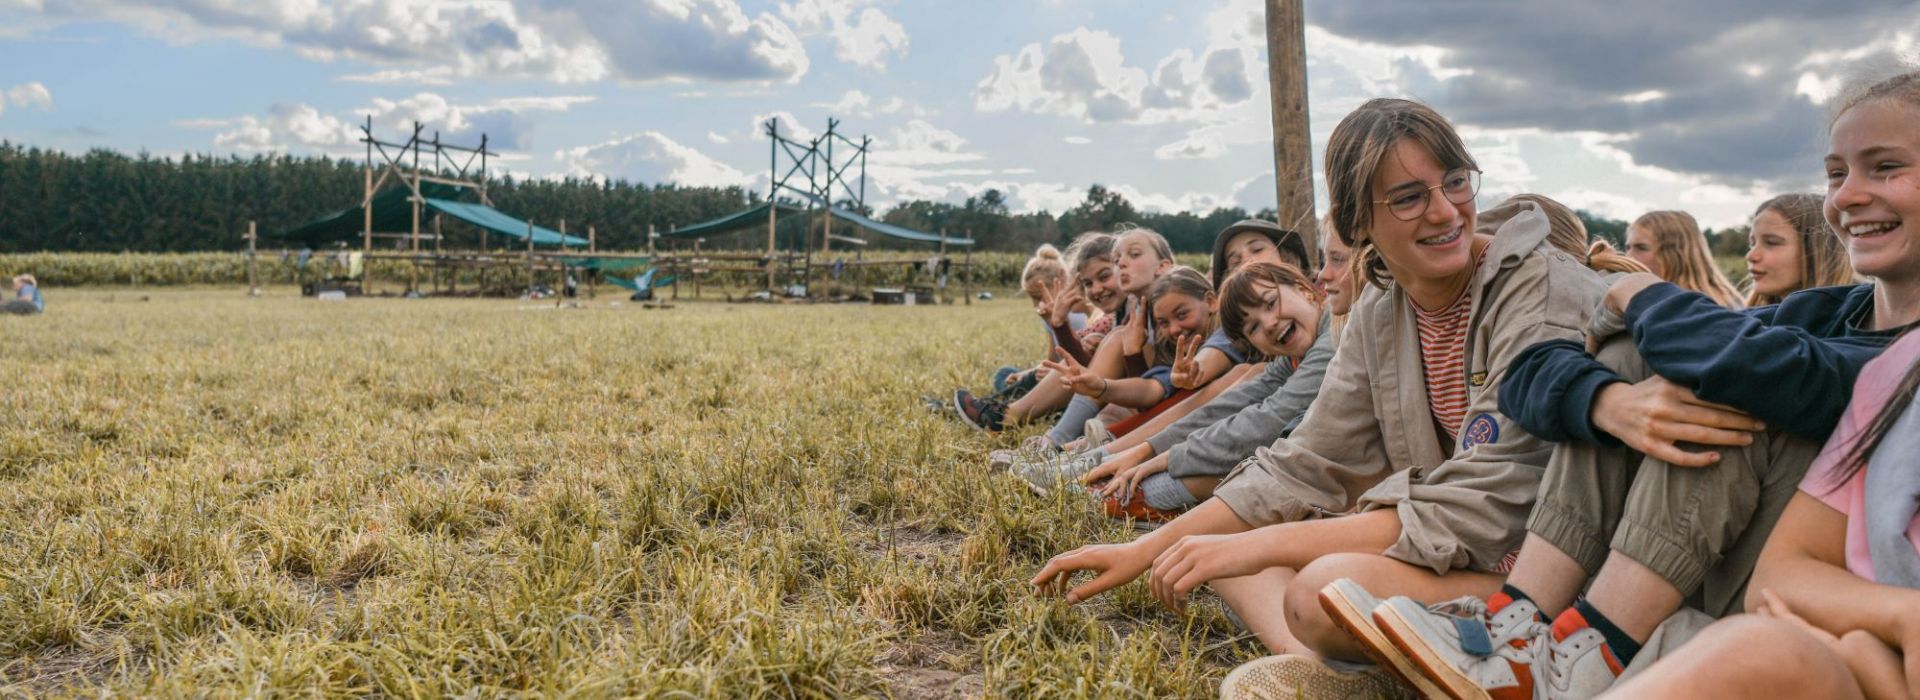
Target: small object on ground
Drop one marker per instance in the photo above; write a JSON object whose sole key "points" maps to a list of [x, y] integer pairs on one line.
{"points": [[1292, 676], [985, 296], [329, 295], [413, 294], [762, 295]]}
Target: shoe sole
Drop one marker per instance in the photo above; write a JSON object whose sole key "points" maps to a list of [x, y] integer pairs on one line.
{"points": [[1359, 623], [1415, 649]]}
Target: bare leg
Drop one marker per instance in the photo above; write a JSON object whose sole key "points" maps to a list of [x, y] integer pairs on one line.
{"points": [[1258, 600], [1381, 576], [1631, 595], [1547, 575], [1877, 668], [1746, 657], [1046, 397]]}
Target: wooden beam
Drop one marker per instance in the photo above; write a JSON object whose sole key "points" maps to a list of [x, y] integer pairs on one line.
{"points": [[1292, 135]]}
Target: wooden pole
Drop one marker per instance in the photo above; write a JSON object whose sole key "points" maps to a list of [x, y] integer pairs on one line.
{"points": [[940, 289], [696, 266], [366, 244], [413, 280], [593, 281], [253, 261], [451, 273], [772, 207], [1292, 135], [967, 260], [530, 258]]}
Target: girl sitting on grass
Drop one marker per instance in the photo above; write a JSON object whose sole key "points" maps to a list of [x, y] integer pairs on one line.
{"points": [[1278, 312], [1096, 280], [1404, 473], [1790, 248]]}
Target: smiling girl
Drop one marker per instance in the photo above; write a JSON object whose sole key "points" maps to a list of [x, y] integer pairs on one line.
{"points": [[1790, 248], [1404, 474]]}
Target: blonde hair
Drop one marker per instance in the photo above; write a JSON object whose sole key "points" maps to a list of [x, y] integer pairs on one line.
{"points": [[1893, 79], [1046, 266], [1684, 258], [1823, 256], [1567, 232], [1359, 145], [25, 278], [1159, 242], [1181, 280]]}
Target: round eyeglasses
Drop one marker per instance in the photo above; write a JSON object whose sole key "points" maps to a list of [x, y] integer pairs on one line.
{"points": [[1408, 203]]}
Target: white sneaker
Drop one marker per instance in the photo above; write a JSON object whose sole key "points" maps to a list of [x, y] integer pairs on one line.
{"points": [[1468, 654], [1095, 434], [1046, 472], [1580, 665], [1290, 676]]}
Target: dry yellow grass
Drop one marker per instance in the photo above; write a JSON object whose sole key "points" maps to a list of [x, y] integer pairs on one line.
{"points": [[202, 493]]}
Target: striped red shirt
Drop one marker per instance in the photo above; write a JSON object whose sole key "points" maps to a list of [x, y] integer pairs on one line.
{"points": [[1443, 354]]}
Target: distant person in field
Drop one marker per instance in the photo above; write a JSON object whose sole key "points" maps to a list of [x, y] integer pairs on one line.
{"points": [[1671, 245], [26, 297], [1790, 248]]}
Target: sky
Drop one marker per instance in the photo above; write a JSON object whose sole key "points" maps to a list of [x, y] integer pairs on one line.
{"points": [[1708, 106]]}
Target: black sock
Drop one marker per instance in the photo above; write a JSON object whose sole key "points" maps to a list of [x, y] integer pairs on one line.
{"points": [[1624, 646], [1517, 595]]}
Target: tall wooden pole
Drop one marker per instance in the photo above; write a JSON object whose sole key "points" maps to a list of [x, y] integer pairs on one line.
{"points": [[1292, 135], [593, 281], [366, 246], [253, 264]]}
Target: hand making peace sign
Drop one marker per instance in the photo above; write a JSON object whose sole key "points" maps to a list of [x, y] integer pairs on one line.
{"points": [[1186, 371], [1133, 335], [1074, 377]]}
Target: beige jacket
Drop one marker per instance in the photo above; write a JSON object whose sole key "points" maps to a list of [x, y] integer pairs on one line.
{"points": [[1369, 440]]}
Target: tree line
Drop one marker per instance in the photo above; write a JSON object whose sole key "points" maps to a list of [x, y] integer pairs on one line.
{"points": [[107, 201]]}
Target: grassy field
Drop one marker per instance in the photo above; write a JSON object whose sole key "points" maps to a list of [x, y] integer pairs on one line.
{"points": [[202, 493]]}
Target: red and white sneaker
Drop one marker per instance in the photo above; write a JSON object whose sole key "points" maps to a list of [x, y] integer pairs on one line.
{"points": [[1580, 665], [1469, 653], [1351, 607]]}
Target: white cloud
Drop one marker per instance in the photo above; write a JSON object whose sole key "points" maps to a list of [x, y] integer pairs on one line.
{"points": [[649, 156], [862, 36], [433, 42], [1077, 140], [1084, 74], [790, 126], [857, 104], [31, 94], [303, 128], [717, 137], [918, 143], [1193, 147]]}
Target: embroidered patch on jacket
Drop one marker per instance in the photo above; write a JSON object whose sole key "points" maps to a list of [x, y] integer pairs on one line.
{"points": [[1477, 379], [1479, 431]]}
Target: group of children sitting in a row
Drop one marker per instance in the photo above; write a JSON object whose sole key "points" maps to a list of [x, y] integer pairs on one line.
{"points": [[1476, 455]]}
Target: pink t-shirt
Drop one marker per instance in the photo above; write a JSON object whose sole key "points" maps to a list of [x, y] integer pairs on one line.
{"points": [[1870, 393]]}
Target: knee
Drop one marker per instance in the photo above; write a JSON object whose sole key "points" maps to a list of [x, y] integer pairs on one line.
{"points": [[1308, 621]]}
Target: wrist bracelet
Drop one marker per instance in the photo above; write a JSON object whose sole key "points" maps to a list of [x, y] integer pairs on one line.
{"points": [[1103, 388]]}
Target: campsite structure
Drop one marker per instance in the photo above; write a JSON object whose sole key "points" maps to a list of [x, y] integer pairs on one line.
{"points": [[412, 187]]}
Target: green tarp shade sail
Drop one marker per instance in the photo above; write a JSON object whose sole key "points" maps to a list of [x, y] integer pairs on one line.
{"points": [[646, 280], [493, 220], [757, 216], [392, 212]]}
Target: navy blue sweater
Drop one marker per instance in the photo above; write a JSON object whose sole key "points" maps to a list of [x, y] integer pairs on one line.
{"points": [[1791, 365]]}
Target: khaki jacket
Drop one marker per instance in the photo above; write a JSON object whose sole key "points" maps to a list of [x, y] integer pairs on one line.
{"points": [[1369, 440]]}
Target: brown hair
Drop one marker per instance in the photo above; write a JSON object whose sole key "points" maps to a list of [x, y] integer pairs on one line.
{"points": [[1359, 145], [1567, 232], [1242, 291], [1684, 258], [1823, 256], [1181, 280], [1870, 437], [1088, 247], [1046, 265]]}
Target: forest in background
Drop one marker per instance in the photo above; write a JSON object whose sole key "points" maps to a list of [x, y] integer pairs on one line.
{"points": [[107, 201]]}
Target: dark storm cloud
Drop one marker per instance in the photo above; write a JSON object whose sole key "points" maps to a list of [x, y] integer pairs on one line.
{"points": [[1725, 72]]}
